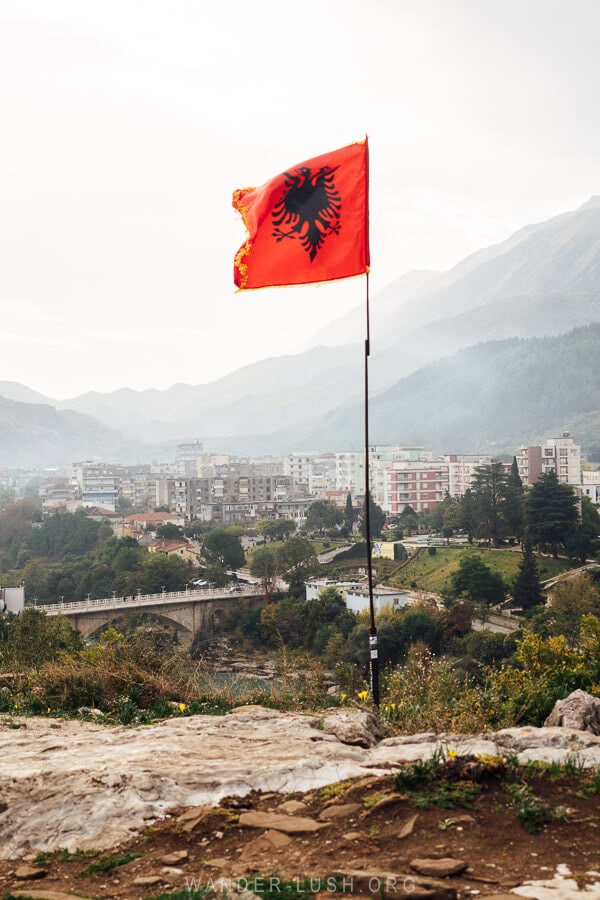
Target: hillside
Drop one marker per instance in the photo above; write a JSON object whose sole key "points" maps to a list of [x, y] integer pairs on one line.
{"points": [[493, 396], [37, 434], [544, 280]]}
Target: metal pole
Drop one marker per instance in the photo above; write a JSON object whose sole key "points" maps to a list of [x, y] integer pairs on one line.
{"points": [[373, 650]]}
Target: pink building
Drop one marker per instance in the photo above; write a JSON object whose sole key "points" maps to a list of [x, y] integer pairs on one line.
{"points": [[417, 484]]}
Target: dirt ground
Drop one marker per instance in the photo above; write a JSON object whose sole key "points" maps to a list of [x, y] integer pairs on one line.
{"points": [[366, 831]]}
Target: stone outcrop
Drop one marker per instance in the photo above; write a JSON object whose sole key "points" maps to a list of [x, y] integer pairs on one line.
{"points": [[579, 710], [79, 784]]}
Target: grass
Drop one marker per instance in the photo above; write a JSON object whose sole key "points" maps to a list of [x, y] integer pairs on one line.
{"points": [[62, 855], [108, 863], [433, 573]]}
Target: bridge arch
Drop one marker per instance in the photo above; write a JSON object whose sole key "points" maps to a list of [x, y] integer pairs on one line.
{"points": [[90, 629]]}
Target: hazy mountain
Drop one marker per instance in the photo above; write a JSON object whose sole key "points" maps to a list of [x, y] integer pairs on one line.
{"points": [[12, 390], [37, 434], [491, 397], [544, 280], [259, 397], [385, 306]]}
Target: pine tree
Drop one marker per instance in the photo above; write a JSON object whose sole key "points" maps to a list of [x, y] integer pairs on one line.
{"points": [[527, 590], [349, 513], [513, 502], [551, 513]]}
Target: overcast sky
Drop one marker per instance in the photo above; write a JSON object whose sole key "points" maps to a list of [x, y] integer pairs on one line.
{"points": [[126, 125]]}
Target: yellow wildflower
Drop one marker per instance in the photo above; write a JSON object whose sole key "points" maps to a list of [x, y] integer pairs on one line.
{"points": [[343, 696], [182, 707], [452, 754], [362, 695]]}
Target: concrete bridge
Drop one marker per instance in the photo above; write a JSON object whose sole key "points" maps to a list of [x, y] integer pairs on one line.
{"points": [[190, 612]]}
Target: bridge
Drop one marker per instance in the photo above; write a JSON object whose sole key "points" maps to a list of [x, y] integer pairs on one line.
{"points": [[190, 612]]}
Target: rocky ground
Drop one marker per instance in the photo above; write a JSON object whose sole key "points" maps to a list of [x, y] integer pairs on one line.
{"points": [[158, 810]]}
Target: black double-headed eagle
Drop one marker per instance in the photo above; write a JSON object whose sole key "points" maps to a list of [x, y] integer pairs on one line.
{"points": [[309, 208]]}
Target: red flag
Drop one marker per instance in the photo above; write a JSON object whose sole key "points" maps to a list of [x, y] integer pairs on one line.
{"points": [[311, 223]]}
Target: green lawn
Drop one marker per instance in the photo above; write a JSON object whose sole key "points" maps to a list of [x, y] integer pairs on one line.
{"points": [[433, 573], [318, 545]]}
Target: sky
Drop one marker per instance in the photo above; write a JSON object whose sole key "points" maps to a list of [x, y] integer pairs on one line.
{"points": [[127, 124]]}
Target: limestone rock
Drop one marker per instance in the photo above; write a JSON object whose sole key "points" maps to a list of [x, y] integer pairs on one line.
{"points": [[29, 873], [340, 811], [147, 880], [579, 710], [291, 807], [52, 895], [407, 827], [277, 822], [439, 868], [353, 726], [175, 859], [277, 839]]}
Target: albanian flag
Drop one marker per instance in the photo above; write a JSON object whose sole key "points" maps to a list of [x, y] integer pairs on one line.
{"points": [[311, 223]]}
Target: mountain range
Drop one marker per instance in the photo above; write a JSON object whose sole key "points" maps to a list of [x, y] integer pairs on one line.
{"points": [[542, 282]]}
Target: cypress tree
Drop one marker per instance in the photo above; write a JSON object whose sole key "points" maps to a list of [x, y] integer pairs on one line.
{"points": [[527, 590]]}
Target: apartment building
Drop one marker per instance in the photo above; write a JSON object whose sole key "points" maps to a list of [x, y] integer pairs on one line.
{"points": [[418, 484], [561, 455], [462, 469], [98, 483]]}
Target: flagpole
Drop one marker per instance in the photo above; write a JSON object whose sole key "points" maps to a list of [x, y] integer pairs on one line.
{"points": [[373, 649]]}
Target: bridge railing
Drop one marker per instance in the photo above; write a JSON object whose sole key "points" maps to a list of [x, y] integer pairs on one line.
{"points": [[138, 600]]}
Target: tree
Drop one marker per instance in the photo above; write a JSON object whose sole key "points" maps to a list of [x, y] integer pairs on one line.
{"points": [[477, 582], [551, 512], [297, 562], [409, 520], [513, 502], [222, 547], [349, 513], [569, 602], [468, 509], [264, 566], [276, 529], [527, 590], [169, 532], [377, 517], [489, 491], [321, 515], [583, 539]]}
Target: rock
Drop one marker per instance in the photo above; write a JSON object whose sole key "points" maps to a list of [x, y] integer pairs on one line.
{"points": [[390, 800], [353, 835], [278, 822], [29, 873], [90, 711], [291, 807], [175, 859], [147, 880], [171, 870], [340, 811], [439, 868], [407, 827], [579, 710], [224, 888], [277, 838], [53, 895], [356, 726]]}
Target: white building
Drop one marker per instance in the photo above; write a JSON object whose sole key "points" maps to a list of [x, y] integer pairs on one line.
{"points": [[356, 596], [462, 469], [590, 485], [350, 472], [563, 456]]}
